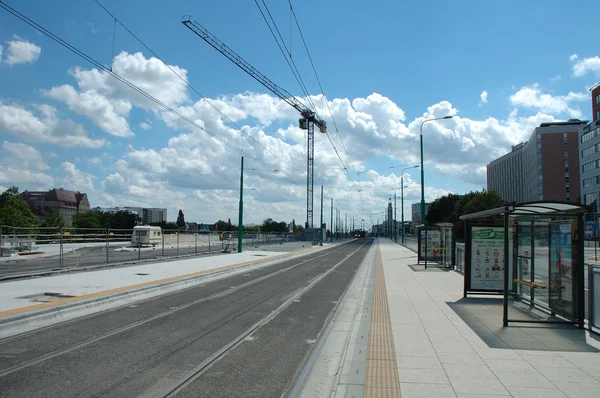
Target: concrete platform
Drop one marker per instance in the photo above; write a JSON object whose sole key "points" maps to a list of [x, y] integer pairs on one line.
{"points": [[445, 345]]}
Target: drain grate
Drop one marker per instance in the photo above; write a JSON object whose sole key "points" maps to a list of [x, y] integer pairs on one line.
{"points": [[141, 274], [259, 255]]}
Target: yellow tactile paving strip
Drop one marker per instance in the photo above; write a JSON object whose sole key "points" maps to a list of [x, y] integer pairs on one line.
{"points": [[130, 287], [381, 376]]}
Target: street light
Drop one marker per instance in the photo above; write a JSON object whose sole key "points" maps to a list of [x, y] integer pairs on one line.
{"points": [[241, 207], [402, 186], [423, 169], [423, 181], [402, 195]]}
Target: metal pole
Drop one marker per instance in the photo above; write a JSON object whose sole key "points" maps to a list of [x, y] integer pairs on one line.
{"points": [[162, 233], [395, 227], [402, 207], [422, 179], [241, 208], [321, 227], [195, 242], [178, 233], [209, 234], [331, 226], [61, 259], [139, 244], [107, 243]]}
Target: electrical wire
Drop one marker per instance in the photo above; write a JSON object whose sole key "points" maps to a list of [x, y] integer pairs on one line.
{"points": [[97, 64], [289, 61], [325, 98], [191, 87]]}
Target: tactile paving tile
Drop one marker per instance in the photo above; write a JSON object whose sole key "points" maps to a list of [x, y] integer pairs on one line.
{"points": [[381, 375]]}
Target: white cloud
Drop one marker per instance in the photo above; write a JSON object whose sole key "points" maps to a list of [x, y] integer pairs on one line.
{"points": [[74, 178], [21, 51], [44, 126], [191, 161], [483, 98], [95, 161], [23, 156], [556, 78], [533, 97], [582, 67], [145, 126], [25, 179], [107, 102], [51, 155], [107, 114], [1, 50]]}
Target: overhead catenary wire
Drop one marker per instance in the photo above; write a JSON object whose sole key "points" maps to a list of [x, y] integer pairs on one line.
{"points": [[319, 81], [191, 87], [99, 65], [289, 60]]}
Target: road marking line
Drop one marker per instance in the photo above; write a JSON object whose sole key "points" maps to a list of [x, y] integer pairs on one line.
{"points": [[381, 375], [135, 286]]}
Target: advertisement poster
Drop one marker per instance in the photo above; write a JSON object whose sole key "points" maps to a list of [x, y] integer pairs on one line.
{"points": [[433, 244], [487, 258], [560, 289]]}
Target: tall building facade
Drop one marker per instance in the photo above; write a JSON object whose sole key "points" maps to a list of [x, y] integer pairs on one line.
{"points": [[506, 175], [596, 103], [589, 158], [544, 168]]}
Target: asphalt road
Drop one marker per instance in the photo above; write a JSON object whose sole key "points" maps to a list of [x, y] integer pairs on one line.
{"points": [[96, 256], [143, 349]]}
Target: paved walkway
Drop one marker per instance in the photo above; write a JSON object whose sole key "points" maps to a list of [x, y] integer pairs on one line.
{"points": [[439, 355]]}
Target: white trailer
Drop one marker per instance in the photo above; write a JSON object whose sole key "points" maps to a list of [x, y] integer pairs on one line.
{"points": [[146, 235]]}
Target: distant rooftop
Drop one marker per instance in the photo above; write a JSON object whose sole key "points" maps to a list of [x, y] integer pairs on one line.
{"points": [[568, 122]]}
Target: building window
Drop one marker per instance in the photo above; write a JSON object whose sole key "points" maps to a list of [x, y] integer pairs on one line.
{"points": [[589, 198], [588, 151], [588, 182], [597, 115], [598, 99], [566, 164]]}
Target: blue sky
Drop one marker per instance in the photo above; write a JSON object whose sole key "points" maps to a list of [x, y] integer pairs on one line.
{"points": [[381, 61]]}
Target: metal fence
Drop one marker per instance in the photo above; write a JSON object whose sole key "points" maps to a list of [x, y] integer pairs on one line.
{"points": [[593, 298], [459, 256], [410, 243], [39, 250]]}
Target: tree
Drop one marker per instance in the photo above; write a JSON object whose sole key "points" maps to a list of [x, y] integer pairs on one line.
{"points": [[180, 219], [121, 220], [14, 210], [88, 219], [53, 221], [441, 209]]}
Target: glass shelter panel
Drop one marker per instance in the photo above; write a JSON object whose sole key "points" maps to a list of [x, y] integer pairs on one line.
{"points": [[546, 269]]}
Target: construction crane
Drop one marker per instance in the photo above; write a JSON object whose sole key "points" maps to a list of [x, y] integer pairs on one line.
{"points": [[307, 122]]}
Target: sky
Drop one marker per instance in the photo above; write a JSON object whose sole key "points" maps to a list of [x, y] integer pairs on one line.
{"points": [[499, 68]]}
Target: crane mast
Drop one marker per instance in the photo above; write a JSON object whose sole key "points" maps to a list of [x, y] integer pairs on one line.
{"points": [[307, 122]]}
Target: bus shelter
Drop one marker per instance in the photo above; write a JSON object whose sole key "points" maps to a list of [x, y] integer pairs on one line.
{"points": [[531, 253], [435, 240]]}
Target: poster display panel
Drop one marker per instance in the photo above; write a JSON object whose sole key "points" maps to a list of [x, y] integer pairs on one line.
{"points": [[561, 283], [433, 244], [487, 258]]}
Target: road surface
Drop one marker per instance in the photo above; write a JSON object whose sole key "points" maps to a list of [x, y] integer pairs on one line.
{"points": [[150, 348]]}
